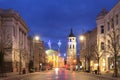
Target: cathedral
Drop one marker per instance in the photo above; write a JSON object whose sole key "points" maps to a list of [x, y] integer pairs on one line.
{"points": [[71, 49]]}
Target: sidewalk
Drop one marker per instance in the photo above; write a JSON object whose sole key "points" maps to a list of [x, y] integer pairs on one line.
{"points": [[108, 76], [16, 75]]}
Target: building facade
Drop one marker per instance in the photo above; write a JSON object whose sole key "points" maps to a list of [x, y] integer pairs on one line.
{"points": [[14, 34], [86, 55], [106, 22], [52, 58], [30, 53], [71, 49], [39, 55]]}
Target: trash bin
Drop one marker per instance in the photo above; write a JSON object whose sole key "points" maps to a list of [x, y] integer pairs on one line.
{"points": [[95, 71]]}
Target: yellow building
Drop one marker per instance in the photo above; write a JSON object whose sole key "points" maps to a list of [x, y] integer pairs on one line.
{"points": [[52, 58], [61, 62]]}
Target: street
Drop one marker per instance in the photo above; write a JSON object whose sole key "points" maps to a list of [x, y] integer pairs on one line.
{"points": [[58, 74]]}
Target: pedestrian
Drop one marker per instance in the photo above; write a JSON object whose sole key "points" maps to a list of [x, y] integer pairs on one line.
{"points": [[76, 67]]}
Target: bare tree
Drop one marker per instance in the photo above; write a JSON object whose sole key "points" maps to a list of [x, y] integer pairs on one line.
{"points": [[86, 54], [98, 53], [83, 55], [89, 57], [114, 47]]}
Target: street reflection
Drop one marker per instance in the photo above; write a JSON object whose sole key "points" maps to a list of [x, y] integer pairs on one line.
{"points": [[56, 71]]}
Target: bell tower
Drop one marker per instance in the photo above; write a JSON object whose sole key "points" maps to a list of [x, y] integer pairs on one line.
{"points": [[71, 49]]}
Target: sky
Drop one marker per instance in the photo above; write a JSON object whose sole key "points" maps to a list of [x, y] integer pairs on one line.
{"points": [[53, 19]]}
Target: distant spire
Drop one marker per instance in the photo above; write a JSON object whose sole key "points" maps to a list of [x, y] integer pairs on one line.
{"points": [[71, 33]]}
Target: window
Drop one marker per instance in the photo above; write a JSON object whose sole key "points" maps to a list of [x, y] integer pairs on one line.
{"points": [[108, 26], [112, 23], [73, 46], [70, 46], [116, 19], [14, 32], [102, 45], [70, 40], [102, 29]]}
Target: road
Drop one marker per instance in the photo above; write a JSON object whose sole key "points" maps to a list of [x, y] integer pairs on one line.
{"points": [[59, 74]]}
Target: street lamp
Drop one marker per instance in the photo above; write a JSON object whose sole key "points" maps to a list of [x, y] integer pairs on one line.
{"points": [[82, 41], [37, 38], [41, 66], [37, 41], [82, 38]]}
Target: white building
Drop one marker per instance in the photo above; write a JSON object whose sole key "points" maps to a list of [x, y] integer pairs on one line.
{"points": [[71, 49], [105, 21]]}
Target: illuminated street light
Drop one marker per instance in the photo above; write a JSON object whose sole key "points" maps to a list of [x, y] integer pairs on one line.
{"points": [[37, 51], [82, 37], [37, 38]]}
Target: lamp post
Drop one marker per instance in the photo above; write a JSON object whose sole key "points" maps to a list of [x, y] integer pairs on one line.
{"points": [[82, 40], [36, 41]]}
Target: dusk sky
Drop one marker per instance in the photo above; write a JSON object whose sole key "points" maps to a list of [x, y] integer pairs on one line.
{"points": [[53, 19]]}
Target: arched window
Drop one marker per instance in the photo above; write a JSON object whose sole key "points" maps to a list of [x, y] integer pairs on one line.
{"points": [[73, 47], [70, 46]]}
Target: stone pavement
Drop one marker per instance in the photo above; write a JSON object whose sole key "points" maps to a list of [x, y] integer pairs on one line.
{"points": [[107, 76], [16, 76], [11, 75]]}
